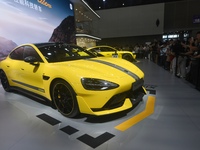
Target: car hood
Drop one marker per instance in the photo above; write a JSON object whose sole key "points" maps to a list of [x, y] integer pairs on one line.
{"points": [[100, 67]]}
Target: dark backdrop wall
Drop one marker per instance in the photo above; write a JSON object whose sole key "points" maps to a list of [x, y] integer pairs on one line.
{"points": [[131, 21], [121, 27], [129, 41], [181, 16]]}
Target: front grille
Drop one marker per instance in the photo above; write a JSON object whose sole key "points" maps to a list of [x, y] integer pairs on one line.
{"points": [[135, 93], [115, 102], [136, 85]]}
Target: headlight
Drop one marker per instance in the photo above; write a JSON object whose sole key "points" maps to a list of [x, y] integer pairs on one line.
{"points": [[97, 84]]}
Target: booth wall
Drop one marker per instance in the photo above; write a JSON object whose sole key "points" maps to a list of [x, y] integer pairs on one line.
{"points": [[131, 21], [180, 16]]}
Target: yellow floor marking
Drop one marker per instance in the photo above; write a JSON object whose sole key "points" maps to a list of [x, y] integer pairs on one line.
{"points": [[132, 121]]}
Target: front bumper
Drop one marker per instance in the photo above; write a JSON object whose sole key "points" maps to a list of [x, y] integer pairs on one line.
{"points": [[116, 103]]}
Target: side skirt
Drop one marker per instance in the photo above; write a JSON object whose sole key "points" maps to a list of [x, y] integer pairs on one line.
{"points": [[33, 96]]}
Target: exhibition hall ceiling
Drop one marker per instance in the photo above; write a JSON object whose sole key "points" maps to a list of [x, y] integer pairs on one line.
{"points": [[83, 14], [108, 4]]}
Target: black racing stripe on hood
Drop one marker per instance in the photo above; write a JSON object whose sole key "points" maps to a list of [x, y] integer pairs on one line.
{"points": [[133, 75]]}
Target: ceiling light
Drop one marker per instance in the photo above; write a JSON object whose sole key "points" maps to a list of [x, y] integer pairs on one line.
{"points": [[90, 8]]}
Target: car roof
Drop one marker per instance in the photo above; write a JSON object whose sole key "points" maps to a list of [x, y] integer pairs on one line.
{"points": [[44, 44]]}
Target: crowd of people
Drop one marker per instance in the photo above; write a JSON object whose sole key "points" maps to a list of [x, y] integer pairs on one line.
{"points": [[181, 58]]}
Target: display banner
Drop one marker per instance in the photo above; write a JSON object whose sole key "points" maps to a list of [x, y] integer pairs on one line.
{"points": [[33, 21]]}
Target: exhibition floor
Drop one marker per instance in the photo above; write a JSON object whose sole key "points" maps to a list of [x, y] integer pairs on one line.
{"points": [[168, 118]]}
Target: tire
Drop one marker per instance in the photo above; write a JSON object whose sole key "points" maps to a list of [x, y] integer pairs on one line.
{"points": [[127, 57], [64, 98], [4, 81]]}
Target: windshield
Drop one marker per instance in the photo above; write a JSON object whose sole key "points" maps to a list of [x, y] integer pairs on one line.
{"points": [[58, 52]]}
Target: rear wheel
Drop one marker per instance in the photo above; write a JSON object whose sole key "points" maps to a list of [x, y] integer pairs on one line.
{"points": [[127, 57], [64, 98], [4, 81]]}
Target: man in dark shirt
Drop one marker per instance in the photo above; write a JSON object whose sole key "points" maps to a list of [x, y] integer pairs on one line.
{"points": [[198, 45], [180, 61], [194, 72]]}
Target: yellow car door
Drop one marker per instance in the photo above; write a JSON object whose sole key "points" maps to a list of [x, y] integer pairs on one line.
{"points": [[23, 74], [32, 77], [31, 71], [108, 52]]}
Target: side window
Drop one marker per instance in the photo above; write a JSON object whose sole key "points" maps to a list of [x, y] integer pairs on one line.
{"points": [[108, 49], [101, 49], [96, 50], [29, 51], [17, 54]]}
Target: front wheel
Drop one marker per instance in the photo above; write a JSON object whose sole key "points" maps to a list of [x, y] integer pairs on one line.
{"points": [[4, 81], [64, 98]]}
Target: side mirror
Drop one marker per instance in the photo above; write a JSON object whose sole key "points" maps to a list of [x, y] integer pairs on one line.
{"points": [[32, 60]]}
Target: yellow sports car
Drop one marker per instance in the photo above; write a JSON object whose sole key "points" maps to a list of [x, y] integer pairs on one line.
{"points": [[109, 51], [73, 79]]}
